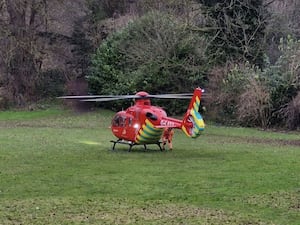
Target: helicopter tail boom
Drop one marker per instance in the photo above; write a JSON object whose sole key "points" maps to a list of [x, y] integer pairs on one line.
{"points": [[192, 123]]}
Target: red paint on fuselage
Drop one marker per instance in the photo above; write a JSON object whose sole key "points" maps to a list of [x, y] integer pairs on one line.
{"points": [[127, 124]]}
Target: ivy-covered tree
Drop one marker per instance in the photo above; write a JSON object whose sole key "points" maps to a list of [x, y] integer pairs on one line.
{"points": [[236, 29]]}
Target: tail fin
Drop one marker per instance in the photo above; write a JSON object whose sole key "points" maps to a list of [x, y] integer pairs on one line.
{"points": [[192, 123]]}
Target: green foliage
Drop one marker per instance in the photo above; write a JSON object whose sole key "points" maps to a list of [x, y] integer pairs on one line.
{"points": [[237, 78], [283, 79], [255, 97], [226, 85], [106, 72], [156, 53], [236, 30]]}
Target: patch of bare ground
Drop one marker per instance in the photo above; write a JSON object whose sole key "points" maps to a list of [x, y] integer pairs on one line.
{"points": [[254, 140], [285, 200], [116, 211]]}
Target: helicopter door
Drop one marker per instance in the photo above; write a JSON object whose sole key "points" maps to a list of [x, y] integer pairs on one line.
{"points": [[123, 126], [119, 125], [131, 130]]}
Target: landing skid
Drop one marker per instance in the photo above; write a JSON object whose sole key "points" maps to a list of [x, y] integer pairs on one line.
{"points": [[131, 144]]}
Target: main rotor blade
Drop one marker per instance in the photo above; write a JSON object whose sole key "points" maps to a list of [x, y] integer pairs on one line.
{"points": [[169, 96], [86, 96], [174, 96], [110, 99], [105, 98]]}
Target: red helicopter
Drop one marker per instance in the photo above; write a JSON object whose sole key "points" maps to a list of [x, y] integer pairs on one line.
{"points": [[143, 124]]}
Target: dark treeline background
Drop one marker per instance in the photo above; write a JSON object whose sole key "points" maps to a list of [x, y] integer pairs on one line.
{"points": [[245, 53]]}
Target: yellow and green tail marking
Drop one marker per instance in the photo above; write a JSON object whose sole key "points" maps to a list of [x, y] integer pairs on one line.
{"points": [[148, 133]]}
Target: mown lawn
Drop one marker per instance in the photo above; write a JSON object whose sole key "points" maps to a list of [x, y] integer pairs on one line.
{"points": [[57, 167]]}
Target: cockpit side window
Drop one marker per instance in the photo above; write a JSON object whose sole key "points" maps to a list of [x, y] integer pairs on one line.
{"points": [[119, 121], [116, 121], [129, 121], [122, 121]]}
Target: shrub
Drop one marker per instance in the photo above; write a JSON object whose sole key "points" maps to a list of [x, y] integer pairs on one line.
{"points": [[291, 113], [283, 80], [155, 53], [238, 95], [253, 107], [254, 97], [225, 86]]}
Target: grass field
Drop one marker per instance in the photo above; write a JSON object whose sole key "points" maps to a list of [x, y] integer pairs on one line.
{"points": [[56, 167]]}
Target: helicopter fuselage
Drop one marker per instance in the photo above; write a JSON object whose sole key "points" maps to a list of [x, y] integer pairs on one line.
{"points": [[142, 123]]}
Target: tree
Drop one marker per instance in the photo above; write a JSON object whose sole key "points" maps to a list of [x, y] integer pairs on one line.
{"points": [[236, 29], [81, 51], [284, 83], [283, 21], [35, 37], [20, 58], [155, 53]]}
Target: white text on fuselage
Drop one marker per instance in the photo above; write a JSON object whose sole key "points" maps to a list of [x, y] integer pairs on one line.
{"points": [[167, 123]]}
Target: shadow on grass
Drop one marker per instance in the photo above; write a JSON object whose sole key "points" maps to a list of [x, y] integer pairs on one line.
{"points": [[137, 150]]}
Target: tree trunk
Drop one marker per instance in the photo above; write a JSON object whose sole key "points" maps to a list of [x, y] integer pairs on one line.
{"points": [[21, 68]]}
